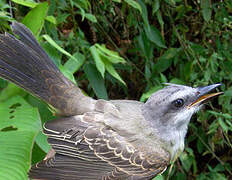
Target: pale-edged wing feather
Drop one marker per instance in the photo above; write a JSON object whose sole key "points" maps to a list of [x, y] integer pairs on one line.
{"points": [[87, 145]]}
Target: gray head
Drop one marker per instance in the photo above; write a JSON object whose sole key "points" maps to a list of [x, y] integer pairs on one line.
{"points": [[169, 110]]}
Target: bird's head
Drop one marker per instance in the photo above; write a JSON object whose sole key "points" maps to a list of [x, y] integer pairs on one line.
{"points": [[175, 104], [170, 109]]}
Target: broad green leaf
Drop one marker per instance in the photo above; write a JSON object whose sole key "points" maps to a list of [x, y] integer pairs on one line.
{"points": [[206, 9], [74, 66], [41, 141], [10, 91], [52, 53], [82, 3], [146, 46], [67, 74], [34, 20], [165, 60], [96, 81], [54, 44], [51, 19], [154, 35], [177, 81], [113, 72], [144, 14], [82, 12], [91, 17], [200, 146], [223, 124], [111, 56], [19, 125], [171, 2], [159, 177], [3, 84], [170, 53], [186, 161], [99, 64], [228, 92], [163, 78], [134, 4], [160, 19], [162, 65], [155, 6], [37, 154], [27, 3]]}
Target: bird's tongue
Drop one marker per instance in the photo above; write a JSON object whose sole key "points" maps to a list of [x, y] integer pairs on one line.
{"points": [[204, 98]]}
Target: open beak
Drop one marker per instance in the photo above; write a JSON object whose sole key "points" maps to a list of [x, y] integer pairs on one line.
{"points": [[203, 95]]}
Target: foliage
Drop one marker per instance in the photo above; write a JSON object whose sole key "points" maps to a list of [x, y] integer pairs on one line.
{"points": [[121, 49]]}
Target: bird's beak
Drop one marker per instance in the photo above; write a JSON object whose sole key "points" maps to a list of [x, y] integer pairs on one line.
{"points": [[203, 95]]}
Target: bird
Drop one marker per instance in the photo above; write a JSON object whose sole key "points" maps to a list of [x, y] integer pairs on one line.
{"points": [[95, 139]]}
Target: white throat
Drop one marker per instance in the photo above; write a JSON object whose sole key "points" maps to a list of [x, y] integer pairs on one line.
{"points": [[173, 136]]}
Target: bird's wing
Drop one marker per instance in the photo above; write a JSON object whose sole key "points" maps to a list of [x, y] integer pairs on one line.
{"points": [[26, 64], [87, 150]]}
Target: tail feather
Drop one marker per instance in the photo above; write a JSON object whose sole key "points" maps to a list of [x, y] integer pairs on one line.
{"points": [[26, 64]]}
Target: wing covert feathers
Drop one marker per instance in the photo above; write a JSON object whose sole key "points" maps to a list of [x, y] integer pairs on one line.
{"points": [[26, 64], [87, 151]]}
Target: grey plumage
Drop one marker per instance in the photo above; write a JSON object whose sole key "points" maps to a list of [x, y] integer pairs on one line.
{"points": [[98, 139]]}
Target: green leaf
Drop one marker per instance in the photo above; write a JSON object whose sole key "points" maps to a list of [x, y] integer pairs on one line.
{"points": [[51, 19], [145, 46], [111, 56], [160, 19], [228, 92], [19, 125], [10, 91], [67, 74], [144, 14], [169, 54], [162, 65], [52, 53], [91, 17], [41, 141], [27, 3], [34, 20], [159, 177], [164, 61], [134, 4], [206, 9], [163, 78], [154, 35], [113, 72], [200, 146], [223, 124], [74, 66], [99, 64], [177, 81], [3, 84], [54, 44], [186, 161], [96, 81], [155, 6]]}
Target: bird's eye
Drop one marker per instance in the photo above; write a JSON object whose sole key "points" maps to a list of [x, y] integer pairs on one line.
{"points": [[178, 103]]}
